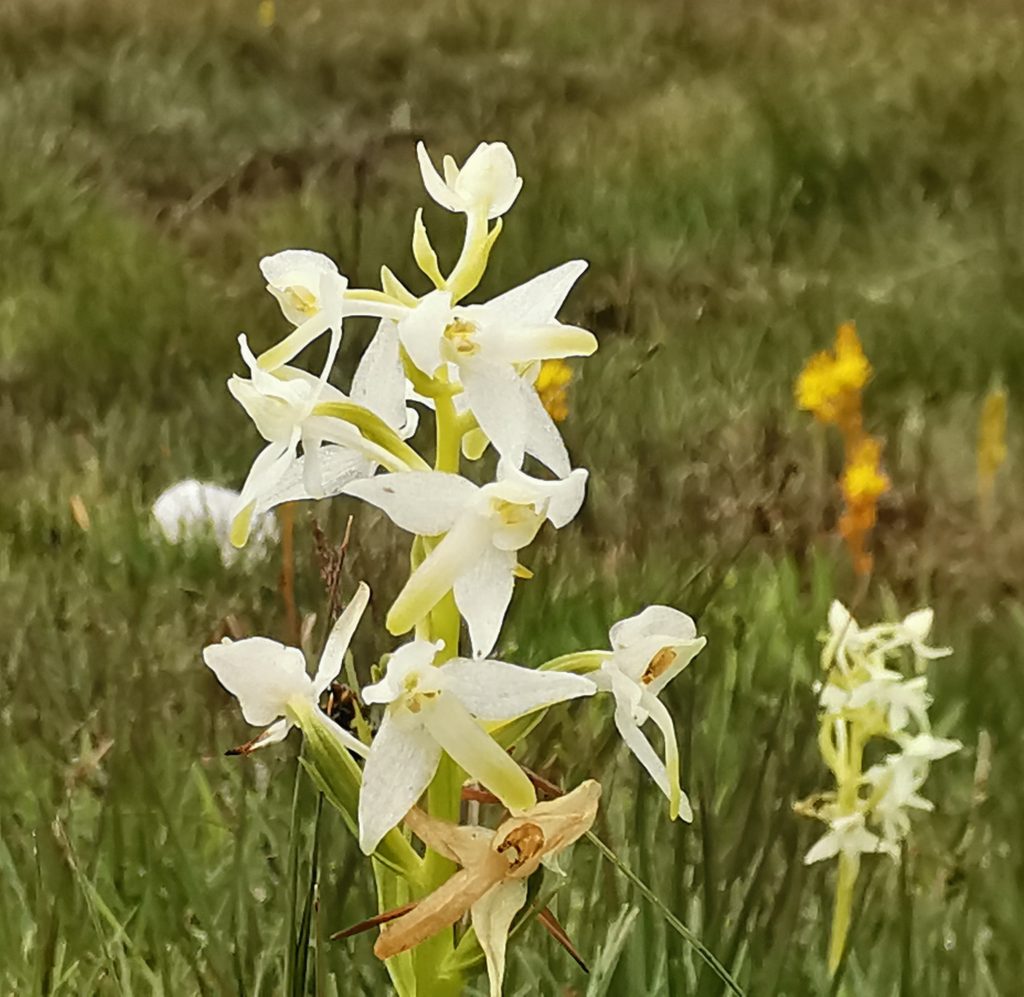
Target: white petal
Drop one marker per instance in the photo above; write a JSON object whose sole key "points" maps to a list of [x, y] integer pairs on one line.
{"points": [[265, 476], [495, 690], [561, 498], [492, 917], [424, 502], [415, 657], [654, 621], [488, 179], [274, 734], [340, 637], [538, 300], [543, 440], [261, 674], [637, 742], [338, 466], [497, 396], [457, 552], [825, 847], [379, 382], [527, 344], [296, 266], [421, 330], [435, 185], [472, 748], [483, 592], [403, 759]]}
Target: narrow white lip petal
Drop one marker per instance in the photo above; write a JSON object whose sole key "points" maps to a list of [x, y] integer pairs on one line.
{"points": [[475, 751], [637, 742], [457, 552], [346, 739], [421, 330], [424, 502], [483, 593], [402, 760], [497, 396], [679, 805], [312, 472], [528, 344], [333, 655], [496, 690], [492, 917], [379, 381], [536, 303], [261, 674], [269, 468], [434, 182]]}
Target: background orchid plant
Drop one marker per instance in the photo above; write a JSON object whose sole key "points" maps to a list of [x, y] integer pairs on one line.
{"points": [[446, 718]]}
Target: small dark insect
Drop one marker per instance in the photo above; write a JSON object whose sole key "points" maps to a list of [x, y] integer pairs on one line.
{"points": [[341, 705]]}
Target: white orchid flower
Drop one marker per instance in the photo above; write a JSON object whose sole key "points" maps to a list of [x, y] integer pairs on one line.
{"points": [[272, 685], [483, 527], [434, 709], [489, 348], [898, 778], [197, 509], [648, 651], [282, 404], [486, 185], [847, 835], [311, 293]]}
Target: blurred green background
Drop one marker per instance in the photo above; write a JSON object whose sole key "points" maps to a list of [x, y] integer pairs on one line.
{"points": [[742, 177]]}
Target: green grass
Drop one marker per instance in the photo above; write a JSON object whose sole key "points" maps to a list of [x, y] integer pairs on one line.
{"points": [[742, 177]]}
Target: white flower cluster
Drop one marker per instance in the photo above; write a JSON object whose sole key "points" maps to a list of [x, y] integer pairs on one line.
{"points": [[866, 697], [475, 368]]}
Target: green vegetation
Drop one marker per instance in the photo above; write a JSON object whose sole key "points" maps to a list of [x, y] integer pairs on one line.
{"points": [[742, 177]]}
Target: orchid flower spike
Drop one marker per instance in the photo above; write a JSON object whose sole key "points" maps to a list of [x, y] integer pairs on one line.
{"points": [[490, 349], [487, 184], [434, 709], [283, 405], [272, 685], [648, 651], [491, 884], [483, 527]]}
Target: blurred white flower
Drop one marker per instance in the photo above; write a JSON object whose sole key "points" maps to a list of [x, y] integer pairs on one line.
{"points": [[847, 640], [483, 527], [487, 184], [489, 348], [849, 836], [194, 510], [648, 651], [271, 683], [433, 709], [898, 698]]}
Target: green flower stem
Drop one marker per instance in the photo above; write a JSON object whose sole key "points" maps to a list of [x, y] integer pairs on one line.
{"points": [[848, 777], [433, 960]]}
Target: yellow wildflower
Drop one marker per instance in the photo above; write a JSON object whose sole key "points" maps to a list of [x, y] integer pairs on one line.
{"points": [[552, 385], [991, 441], [830, 383], [863, 483]]}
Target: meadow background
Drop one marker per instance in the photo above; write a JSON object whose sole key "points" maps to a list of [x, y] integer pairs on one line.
{"points": [[742, 177]]}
